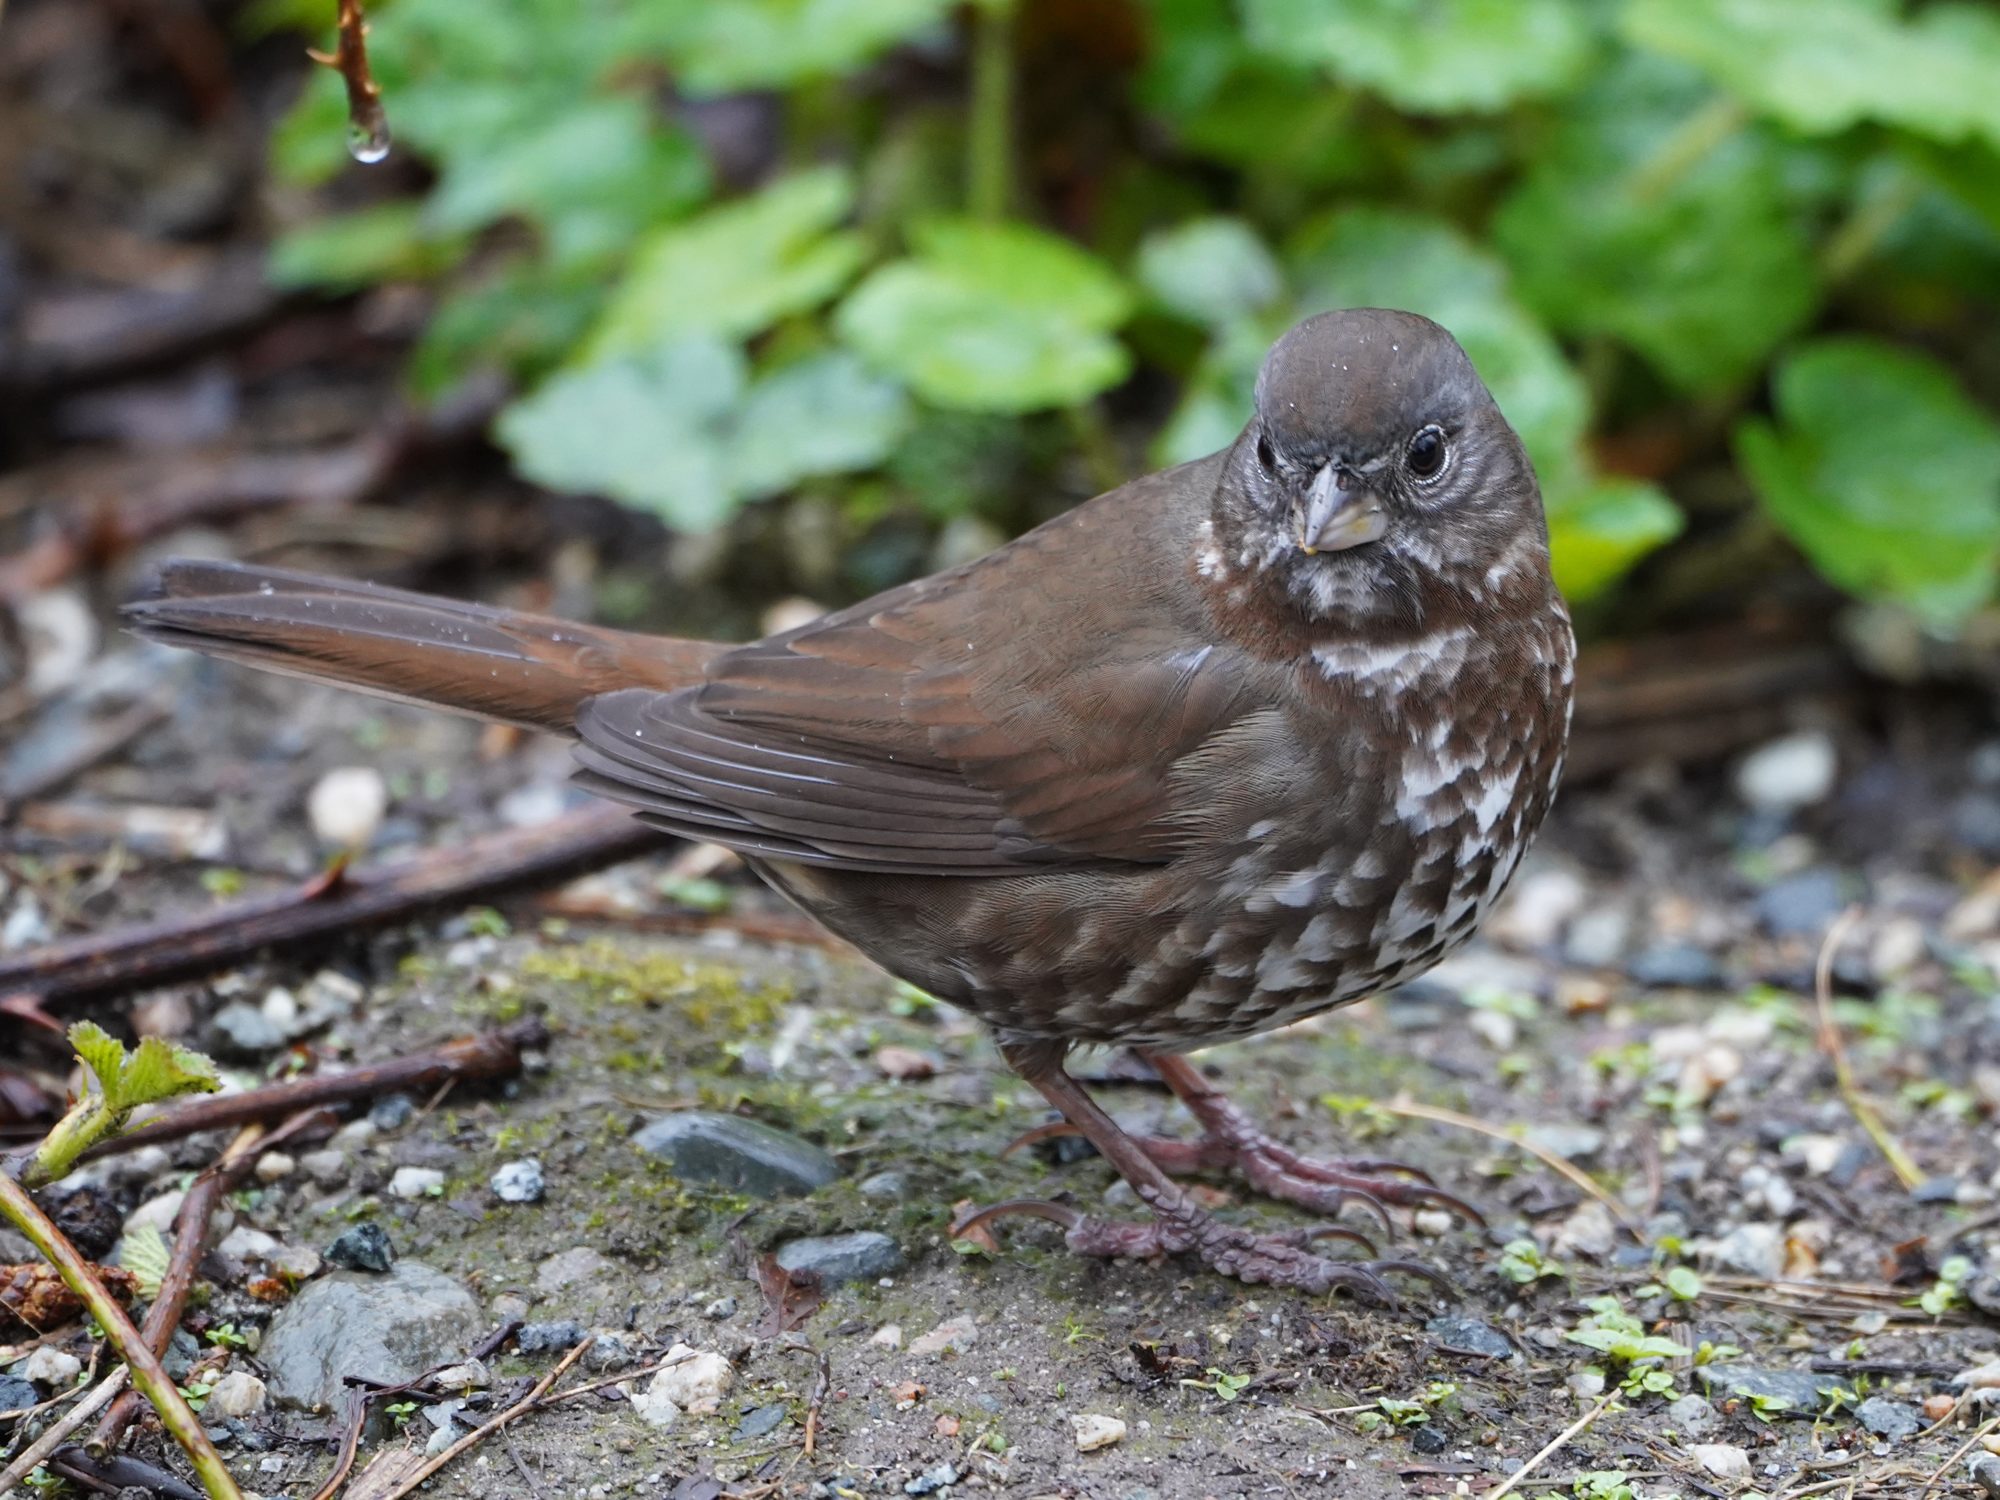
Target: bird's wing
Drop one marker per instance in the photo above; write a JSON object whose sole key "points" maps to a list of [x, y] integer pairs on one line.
{"points": [[973, 724]]}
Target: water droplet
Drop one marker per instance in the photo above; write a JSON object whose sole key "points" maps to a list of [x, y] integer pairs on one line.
{"points": [[368, 141]]}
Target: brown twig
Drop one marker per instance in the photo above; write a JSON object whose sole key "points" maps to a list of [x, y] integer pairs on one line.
{"points": [[1555, 1445], [1562, 1164], [528, 1403], [30, 1458], [188, 947], [822, 1384], [1831, 1044], [1963, 1448], [368, 126]]}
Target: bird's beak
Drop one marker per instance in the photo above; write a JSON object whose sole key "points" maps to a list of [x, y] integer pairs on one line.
{"points": [[1336, 515]]}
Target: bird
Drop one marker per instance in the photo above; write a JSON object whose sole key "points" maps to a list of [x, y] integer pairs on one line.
{"points": [[1225, 747]]}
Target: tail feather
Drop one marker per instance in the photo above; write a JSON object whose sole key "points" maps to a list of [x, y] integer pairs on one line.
{"points": [[474, 659]]}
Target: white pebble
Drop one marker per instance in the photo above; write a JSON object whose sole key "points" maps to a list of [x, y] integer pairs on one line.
{"points": [[1723, 1460], [48, 1366], [1094, 1432], [888, 1336], [238, 1394], [416, 1182], [694, 1380], [1788, 774], [346, 806]]}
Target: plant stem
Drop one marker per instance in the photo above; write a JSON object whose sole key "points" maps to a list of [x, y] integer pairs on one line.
{"points": [[989, 130], [148, 1375], [1858, 235], [1679, 154]]}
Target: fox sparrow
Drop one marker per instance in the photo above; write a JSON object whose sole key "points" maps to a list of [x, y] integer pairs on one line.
{"points": [[1230, 745]]}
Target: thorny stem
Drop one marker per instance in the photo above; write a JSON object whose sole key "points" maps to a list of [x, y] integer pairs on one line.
{"points": [[989, 167], [148, 1375], [367, 124]]}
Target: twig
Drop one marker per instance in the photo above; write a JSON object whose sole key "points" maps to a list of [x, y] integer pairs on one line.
{"points": [[530, 1402], [1831, 1044], [1562, 1164], [189, 947], [1963, 1448], [1555, 1446], [147, 1374], [367, 125], [30, 1458], [822, 1384]]}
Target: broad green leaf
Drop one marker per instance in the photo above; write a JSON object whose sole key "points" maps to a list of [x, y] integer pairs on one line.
{"points": [[1884, 473], [827, 414], [1377, 258], [159, 1070], [519, 319], [1598, 528], [347, 252], [102, 1053], [992, 317], [736, 269], [1210, 270], [1825, 65], [1431, 56], [1660, 223], [727, 46], [649, 428]]}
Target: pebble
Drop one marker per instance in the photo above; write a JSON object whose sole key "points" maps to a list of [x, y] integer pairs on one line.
{"points": [[741, 1155], [365, 1247], [416, 1182], [472, 1375], [50, 1368], [932, 1479], [1788, 774], [1723, 1460], [1598, 939], [519, 1182], [1704, 1074], [1802, 1388], [695, 1380], [1755, 1249], [1676, 966], [1430, 1440], [392, 1112], [959, 1333], [17, 1394], [389, 1328], [549, 1338], [1566, 1139], [346, 806], [1587, 1231], [1985, 1471], [610, 1351], [1691, 1416], [274, 1166], [720, 1308], [1898, 947], [761, 1422], [241, 1030], [1893, 1420], [888, 1336], [1534, 914], [1470, 1334], [238, 1394], [1094, 1432], [1801, 905], [568, 1267], [1497, 1029], [862, 1255], [327, 1168], [907, 1064]]}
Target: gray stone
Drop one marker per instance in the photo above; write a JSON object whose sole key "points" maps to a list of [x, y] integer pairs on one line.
{"points": [[392, 1112], [16, 1394], [1893, 1420], [860, 1256], [721, 1307], [1676, 966], [1430, 1440], [1754, 1249], [241, 1030], [549, 1338], [519, 1182], [1801, 905], [1565, 1138], [932, 1480], [1470, 1334], [1692, 1417], [390, 1328], [761, 1422], [741, 1155], [365, 1247], [1985, 1471], [884, 1185], [1784, 775], [1805, 1391]]}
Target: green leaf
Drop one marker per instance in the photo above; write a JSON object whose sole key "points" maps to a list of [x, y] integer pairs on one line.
{"points": [[827, 414], [1660, 223], [1431, 56], [1598, 528], [347, 252], [1210, 271], [992, 317], [520, 318], [143, 1251], [1825, 65], [1218, 395], [1885, 474], [736, 269], [727, 46], [102, 1053]]}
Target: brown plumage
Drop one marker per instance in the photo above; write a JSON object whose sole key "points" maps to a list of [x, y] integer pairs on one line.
{"points": [[1227, 746]]}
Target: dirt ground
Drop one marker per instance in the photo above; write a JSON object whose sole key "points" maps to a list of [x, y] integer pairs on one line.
{"points": [[1641, 1007]]}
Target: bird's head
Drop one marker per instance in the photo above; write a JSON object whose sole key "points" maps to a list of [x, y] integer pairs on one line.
{"points": [[1377, 470]]}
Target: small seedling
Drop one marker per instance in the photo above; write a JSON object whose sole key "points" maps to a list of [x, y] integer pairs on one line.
{"points": [[1225, 1386], [1680, 1282], [1948, 1291], [1522, 1262]]}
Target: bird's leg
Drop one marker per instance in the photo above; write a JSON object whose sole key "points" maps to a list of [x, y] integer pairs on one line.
{"points": [[1178, 1224], [1231, 1139]]}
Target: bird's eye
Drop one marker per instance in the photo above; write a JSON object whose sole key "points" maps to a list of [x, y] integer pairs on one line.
{"points": [[1265, 457], [1426, 453]]}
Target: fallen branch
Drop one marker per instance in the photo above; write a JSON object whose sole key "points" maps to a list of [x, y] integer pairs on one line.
{"points": [[166, 952], [1409, 1109], [30, 1458], [528, 1403], [1858, 1104]]}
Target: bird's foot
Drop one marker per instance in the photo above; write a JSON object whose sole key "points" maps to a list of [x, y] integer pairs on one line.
{"points": [[1283, 1259]]}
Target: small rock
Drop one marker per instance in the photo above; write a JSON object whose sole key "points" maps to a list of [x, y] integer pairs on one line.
{"points": [[549, 1338], [1801, 905], [884, 1185], [1430, 1440], [416, 1182], [959, 1333], [519, 1182], [761, 1422], [1471, 1335], [741, 1155], [1818, 1154], [1598, 939], [888, 1336], [1586, 1385], [1899, 946], [1588, 1231], [1094, 1432], [1704, 1074], [157, 1213], [720, 1308], [610, 1351], [1788, 774], [1576, 1142], [1676, 966], [906, 1064], [1985, 1471], [1893, 1420], [50, 1368], [932, 1480], [17, 1395], [1691, 1416], [695, 1380], [654, 1410], [1723, 1460], [365, 1247], [392, 1112], [238, 1394], [1497, 1029], [326, 1168], [860, 1256], [568, 1267], [1937, 1407], [389, 1328], [296, 1262], [1534, 913], [1803, 1391], [472, 1375], [274, 1166], [240, 1030], [1433, 1223], [347, 805], [1755, 1249], [355, 1135]]}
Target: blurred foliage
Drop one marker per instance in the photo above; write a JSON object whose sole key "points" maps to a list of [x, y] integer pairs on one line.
{"points": [[898, 256]]}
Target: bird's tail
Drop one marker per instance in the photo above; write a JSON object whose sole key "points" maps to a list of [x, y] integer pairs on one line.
{"points": [[471, 658]]}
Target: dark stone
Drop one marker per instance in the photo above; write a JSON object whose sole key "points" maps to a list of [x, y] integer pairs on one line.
{"points": [[365, 1247], [549, 1338], [1975, 823], [1677, 966], [1470, 1335], [16, 1394], [87, 1215], [1801, 905], [1064, 1150], [183, 1352], [1430, 1440], [738, 1154], [1847, 1166], [392, 1112], [1935, 1190], [240, 1030], [860, 1256], [884, 1185], [765, 1419], [1422, 1005], [1893, 1420], [932, 1480], [1805, 1391]]}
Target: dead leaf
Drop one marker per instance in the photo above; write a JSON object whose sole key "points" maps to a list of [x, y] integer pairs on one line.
{"points": [[790, 1297]]}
